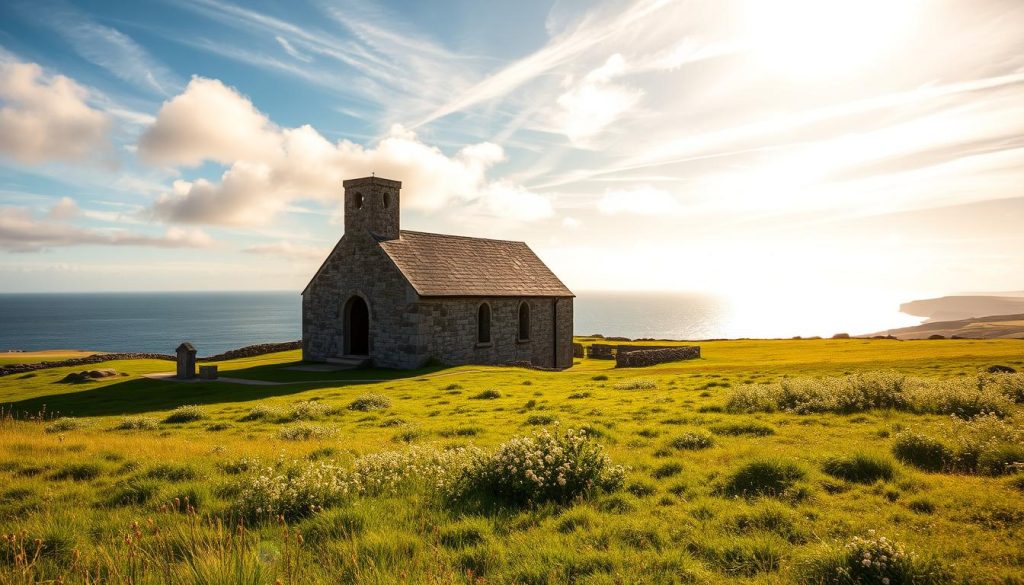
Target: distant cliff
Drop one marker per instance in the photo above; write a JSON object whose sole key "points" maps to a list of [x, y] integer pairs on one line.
{"points": [[991, 327], [955, 308]]}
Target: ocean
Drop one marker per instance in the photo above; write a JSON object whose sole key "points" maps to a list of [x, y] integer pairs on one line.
{"points": [[218, 321]]}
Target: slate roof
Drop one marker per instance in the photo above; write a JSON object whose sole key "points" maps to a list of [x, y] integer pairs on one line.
{"points": [[186, 346], [439, 265]]}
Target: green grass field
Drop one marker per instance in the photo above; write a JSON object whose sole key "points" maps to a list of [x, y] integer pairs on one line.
{"points": [[411, 479]]}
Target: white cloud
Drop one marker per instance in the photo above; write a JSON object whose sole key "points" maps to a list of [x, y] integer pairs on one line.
{"points": [[642, 200], [272, 167], [46, 117], [288, 249], [595, 102], [208, 121], [571, 223], [20, 232], [64, 210], [511, 201]]}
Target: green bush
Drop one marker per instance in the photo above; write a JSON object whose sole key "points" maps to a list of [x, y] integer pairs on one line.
{"points": [[543, 467], [636, 384], [874, 560], [669, 469], [922, 451], [133, 491], [368, 402], [487, 395], [468, 532], [78, 471], [540, 419], [169, 472], [861, 468], [745, 428], [261, 412], [184, 414], [304, 432], [692, 441], [764, 477], [65, 424], [136, 423]]}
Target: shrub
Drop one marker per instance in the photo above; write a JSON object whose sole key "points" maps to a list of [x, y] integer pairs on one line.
{"points": [[290, 491], [579, 395], [305, 431], [580, 518], [451, 387], [312, 410], [641, 489], [692, 441], [599, 378], [65, 424], [1010, 385], [136, 423], [78, 471], [487, 395], [393, 472], [368, 402], [543, 467], [745, 428], [636, 384], [922, 451], [261, 412], [169, 472], [669, 469], [860, 468], [874, 559], [184, 414], [540, 419], [764, 477]]}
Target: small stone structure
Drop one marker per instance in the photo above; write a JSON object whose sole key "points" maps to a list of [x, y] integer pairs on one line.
{"points": [[402, 299], [186, 353], [638, 358], [600, 351], [577, 350], [208, 372]]}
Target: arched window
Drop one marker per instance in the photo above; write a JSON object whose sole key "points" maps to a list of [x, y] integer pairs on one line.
{"points": [[359, 200], [524, 321], [483, 324]]}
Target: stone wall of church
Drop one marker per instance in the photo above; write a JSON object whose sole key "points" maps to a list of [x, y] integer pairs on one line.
{"points": [[450, 326], [358, 266]]}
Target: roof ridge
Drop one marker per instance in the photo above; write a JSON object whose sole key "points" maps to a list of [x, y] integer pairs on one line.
{"points": [[457, 236]]}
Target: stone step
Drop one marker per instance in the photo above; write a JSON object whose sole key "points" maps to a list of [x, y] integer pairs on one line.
{"points": [[353, 361]]}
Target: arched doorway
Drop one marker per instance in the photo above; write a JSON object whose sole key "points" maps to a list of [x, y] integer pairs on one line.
{"points": [[357, 327]]}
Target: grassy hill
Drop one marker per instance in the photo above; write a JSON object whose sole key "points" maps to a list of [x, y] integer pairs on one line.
{"points": [[763, 462], [993, 327]]}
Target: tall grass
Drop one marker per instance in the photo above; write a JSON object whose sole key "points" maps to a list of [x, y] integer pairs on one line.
{"points": [[965, 397]]}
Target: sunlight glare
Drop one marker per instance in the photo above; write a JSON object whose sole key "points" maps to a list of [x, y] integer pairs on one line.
{"points": [[804, 37]]}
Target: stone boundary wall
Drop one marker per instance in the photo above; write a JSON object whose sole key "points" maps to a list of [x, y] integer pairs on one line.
{"points": [[248, 351], [639, 358], [600, 351], [89, 359], [253, 350], [577, 350]]}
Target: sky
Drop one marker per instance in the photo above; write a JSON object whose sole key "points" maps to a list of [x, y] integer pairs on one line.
{"points": [[767, 151]]}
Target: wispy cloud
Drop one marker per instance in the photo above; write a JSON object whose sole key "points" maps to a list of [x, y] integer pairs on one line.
{"points": [[105, 46], [20, 232]]}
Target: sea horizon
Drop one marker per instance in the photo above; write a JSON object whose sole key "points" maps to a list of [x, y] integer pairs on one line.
{"points": [[216, 321]]}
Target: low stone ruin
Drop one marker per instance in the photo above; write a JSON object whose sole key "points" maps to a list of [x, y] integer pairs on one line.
{"points": [[635, 356], [638, 358]]}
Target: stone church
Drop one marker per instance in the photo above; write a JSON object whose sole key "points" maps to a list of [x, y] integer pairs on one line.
{"points": [[401, 299]]}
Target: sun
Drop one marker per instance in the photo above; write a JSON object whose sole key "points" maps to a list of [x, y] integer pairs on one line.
{"points": [[823, 37]]}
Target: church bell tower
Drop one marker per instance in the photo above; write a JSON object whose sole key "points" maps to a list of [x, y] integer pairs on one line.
{"points": [[372, 204]]}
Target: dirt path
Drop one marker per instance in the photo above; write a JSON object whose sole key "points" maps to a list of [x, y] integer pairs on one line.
{"points": [[169, 377]]}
